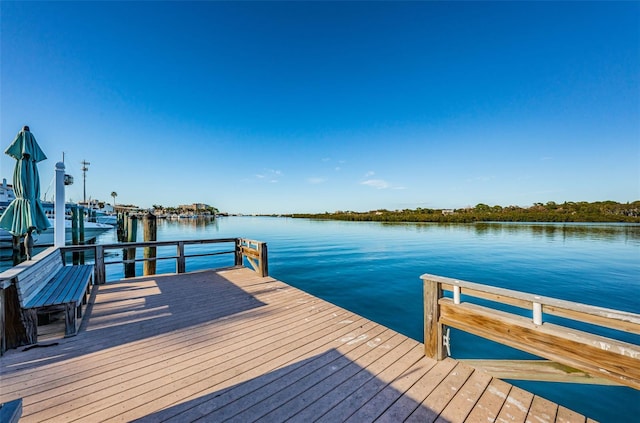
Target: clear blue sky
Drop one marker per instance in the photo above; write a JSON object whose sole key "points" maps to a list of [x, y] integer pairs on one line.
{"points": [[311, 107]]}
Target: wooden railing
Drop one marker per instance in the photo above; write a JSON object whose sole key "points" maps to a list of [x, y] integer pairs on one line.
{"points": [[597, 358], [254, 251]]}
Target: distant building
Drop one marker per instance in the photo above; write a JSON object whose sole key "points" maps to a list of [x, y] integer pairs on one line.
{"points": [[448, 211], [97, 205], [194, 207], [6, 193]]}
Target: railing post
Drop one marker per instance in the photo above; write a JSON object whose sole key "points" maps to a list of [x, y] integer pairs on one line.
{"points": [[433, 341], [238, 259], [99, 271], [181, 266], [537, 313], [263, 262], [456, 294]]}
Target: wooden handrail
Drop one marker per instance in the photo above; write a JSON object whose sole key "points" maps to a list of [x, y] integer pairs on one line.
{"points": [[598, 356], [254, 251], [614, 319]]}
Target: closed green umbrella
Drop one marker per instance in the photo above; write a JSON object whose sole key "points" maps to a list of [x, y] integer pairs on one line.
{"points": [[25, 211]]}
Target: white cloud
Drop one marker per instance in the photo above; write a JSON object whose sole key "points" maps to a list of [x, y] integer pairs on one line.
{"points": [[376, 183], [270, 174], [316, 180], [369, 174]]}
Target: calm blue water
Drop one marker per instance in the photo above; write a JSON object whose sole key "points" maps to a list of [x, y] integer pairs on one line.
{"points": [[374, 270]]}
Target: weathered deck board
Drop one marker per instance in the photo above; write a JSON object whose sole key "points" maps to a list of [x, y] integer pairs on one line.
{"points": [[232, 346]]}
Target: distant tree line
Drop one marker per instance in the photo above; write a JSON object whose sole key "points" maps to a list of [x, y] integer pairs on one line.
{"points": [[600, 211], [159, 209]]}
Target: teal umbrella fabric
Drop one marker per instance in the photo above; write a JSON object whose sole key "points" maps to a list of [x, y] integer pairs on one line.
{"points": [[25, 210]]}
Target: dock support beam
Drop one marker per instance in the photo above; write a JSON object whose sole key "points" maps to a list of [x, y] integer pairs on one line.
{"points": [[433, 330]]}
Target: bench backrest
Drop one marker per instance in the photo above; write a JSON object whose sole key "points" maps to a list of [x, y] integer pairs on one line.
{"points": [[35, 273]]}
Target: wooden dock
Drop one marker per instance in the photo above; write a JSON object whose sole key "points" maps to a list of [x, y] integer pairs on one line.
{"points": [[229, 345]]}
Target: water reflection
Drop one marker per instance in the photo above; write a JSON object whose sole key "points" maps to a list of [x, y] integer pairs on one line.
{"points": [[583, 231], [199, 222], [549, 231], [187, 228]]}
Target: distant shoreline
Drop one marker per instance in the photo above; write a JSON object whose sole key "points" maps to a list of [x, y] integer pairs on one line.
{"points": [[551, 212]]}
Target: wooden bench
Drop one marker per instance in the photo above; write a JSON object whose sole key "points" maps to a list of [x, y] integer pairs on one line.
{"points": [[10, 412], [45, 283]]}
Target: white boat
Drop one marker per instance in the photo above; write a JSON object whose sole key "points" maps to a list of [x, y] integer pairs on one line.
{"points": [[107, 218], [91, 230], [46, 237]]}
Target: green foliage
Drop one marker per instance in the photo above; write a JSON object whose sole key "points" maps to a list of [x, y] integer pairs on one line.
{"points": [[600, 211]]}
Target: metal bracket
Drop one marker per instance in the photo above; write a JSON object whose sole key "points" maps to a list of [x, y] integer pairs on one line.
{"points": [[446, 341]]}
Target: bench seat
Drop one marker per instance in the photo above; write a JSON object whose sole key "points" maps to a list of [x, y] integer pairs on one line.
{"points": [[68, 285], [45, 283]]}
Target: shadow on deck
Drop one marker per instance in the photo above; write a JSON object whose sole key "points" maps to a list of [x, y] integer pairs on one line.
{"points": [[134, 309]]}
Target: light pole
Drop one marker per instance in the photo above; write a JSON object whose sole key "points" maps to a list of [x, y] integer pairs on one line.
{"points": [[84, 181]]}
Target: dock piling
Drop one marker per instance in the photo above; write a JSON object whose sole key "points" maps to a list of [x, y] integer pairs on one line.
{"points": [[150, 230], [130, 253], [75, 232]]}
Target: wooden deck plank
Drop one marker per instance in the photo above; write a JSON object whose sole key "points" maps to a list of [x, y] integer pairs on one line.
{"points": [[279, 414], [257, 390], [85, 342], [283, 398], [516, 406], [490, 403], [416, 394], [542, 410], [345, 368], [251, 348], [437, 400], [230, 345], [375, 377], [569, 416], [137, 357], [463, 401], [390, 394], [318, 400], [184, 372], [141, 357], [281, 361]]}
